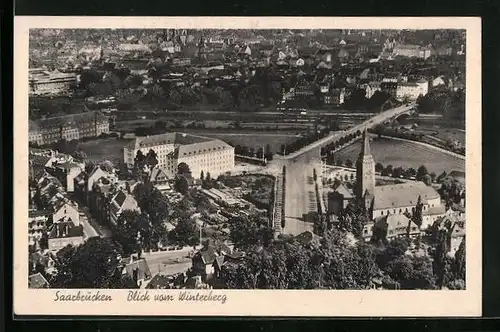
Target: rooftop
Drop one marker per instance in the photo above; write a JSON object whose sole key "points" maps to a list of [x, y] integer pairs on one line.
{"points": [[403, 194], [37, 281]]}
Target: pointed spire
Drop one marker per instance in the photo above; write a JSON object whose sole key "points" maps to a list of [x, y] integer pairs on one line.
{"points": [[366, 144]]}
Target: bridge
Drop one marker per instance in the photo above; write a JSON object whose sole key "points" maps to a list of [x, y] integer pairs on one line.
{"points": [[299, 190], [376, 119]]}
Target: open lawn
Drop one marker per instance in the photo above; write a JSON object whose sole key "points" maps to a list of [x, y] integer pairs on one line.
{"points": [[405, 154], [104, 149]]}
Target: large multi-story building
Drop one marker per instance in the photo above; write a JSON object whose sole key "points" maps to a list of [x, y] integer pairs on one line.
{"points": [[412, 90], [68, 127], [411, 51], [44, 82], [199, 153]]}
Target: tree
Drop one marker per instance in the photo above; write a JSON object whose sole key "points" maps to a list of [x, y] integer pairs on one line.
{"points": [[379, 129], [202, 176], [139, 159], [186, 232], [433, 176], [126, 231], [246, 232], [133, 81], [439, 262], [353, 218], [397, 172], [183, 169], [379, 167], [348, 163], [441, 177], [387, 170], [151, 159], [181, 184], [427, 179], [421, 172], [94, 264], [460, 259], [268, 154], [174, 97]]}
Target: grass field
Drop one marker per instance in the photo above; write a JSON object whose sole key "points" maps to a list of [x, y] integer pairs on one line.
{"points": [[104, 149], [405, 154]]}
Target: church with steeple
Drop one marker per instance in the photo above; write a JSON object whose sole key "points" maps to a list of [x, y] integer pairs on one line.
{"points": [[384, 200]]}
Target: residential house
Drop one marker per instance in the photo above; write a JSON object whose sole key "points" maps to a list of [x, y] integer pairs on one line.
{"points": [[218, 264], [122, 201], [101, 194], [336, 96], [65, 233], [440, 80], [408, 50], [307, 237], [389, 87], [68, 127], [371, 88], [343, 55], [391, 226], [159, 179], [37, 225], [37, 280], [203, 261], [97, 173], [339, 199], [137, 269], [44, 82], [324, 54], [66, 173], [65, 210], [45, 260]]}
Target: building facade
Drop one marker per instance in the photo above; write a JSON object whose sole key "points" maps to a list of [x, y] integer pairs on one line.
{"points": [[43, 82], [199, 153], [397, 199], [68, 127], [411, 51]]}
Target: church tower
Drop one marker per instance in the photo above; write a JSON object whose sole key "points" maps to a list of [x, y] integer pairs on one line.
{"points": [[365, 170]]}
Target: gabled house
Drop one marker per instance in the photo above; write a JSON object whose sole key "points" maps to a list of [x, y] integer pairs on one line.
{"points": [[203, 261], [65, 233], [120, 202], [66, 173], [65, 210], [37, 280], [137, 269], [159, 179]]}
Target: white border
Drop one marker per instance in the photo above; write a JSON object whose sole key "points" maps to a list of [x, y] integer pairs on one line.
{"points": [[259, 302]]}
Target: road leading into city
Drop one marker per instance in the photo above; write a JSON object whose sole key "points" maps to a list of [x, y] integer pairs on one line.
{"points": [[378, 118], [299, 193]]}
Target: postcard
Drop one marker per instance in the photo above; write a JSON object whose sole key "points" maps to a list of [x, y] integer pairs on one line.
{"points": [[247, 166]]}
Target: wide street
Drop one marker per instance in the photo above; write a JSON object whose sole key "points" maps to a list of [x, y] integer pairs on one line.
{"points": [[300, 197], [299, 189]]}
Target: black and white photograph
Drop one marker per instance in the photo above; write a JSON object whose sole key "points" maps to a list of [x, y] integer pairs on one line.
{"points": [[195, 159]]}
